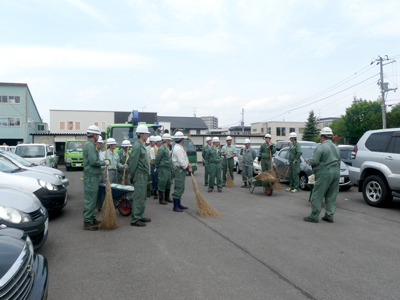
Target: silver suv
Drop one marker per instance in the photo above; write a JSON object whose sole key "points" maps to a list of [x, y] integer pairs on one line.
{"points": [[376, 166]]}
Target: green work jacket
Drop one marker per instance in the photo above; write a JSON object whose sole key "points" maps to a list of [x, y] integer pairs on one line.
{"points": [[91, 162], [295, 152], [266, 151], [249, 155], [213, 155], [204, 151], [163, 157], [326, 156], [138, 160], [114, 160], [228, 150]]}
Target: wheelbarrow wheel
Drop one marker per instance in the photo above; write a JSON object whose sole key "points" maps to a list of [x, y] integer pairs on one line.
{"points": [[268, 190], [125, 207]]}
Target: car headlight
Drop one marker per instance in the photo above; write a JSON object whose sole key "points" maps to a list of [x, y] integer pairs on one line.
{"points": [[47, 185], [43, 210], [59, 177], [43, 162], [67, 159], [13, 215]]}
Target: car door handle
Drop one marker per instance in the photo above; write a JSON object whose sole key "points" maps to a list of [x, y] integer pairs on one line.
{"points": [[389, 158]]}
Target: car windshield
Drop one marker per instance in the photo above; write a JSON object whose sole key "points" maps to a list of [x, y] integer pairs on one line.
{"points": [[7, 166], [257, 150], [31, 151], [128, 133], [18, 158], [307, 152], [75, 146]]}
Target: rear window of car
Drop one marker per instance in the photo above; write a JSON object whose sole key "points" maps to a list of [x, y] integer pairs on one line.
{"points": [[378, 142], [345, 154]]}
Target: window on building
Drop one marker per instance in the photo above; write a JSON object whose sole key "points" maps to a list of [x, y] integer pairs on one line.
{"points": [[197, 131], [70, 125], [281, 131], [262, 130], [17, 99], [103, 125], [40, 127], [4, 99], [14, 122], [254, 129], [96, 123], [11, 99], [3, 122], [269, 130], [292, 129], [77, 125], [62, 125]]}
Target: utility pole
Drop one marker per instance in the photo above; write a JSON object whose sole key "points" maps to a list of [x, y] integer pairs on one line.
{"points": [[194, 111], [242, 123], [384, 85]]}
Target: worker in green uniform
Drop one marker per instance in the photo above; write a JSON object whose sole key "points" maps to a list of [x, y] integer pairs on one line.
{"points": [[206, 147], [139, 168], [91, 172], [163, 166], [249, 155], [325, 164], [228, 151], [267, 151], [213, 157], [180, 166], [123, 154], [294, 163], [113, 157]]}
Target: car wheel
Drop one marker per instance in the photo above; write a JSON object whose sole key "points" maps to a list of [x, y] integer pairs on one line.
{"points": [[303, 181], [237, 169], [68, 169], [345, 188], [376, 191]]}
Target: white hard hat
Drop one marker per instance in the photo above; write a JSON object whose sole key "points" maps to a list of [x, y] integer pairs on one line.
{"points": [[215, 139], [208, 139], [267, 135], [229, 138], [247, 141], [148, 141], [179, 135], [166, 137], [126, 143], [111, 141], [151, 139], [326, 131], [142, 129], [93, 129], [157, 138], [100, 140], [293, 135]]}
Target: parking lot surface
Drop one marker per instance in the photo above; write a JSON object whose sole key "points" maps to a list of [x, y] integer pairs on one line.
{"points": [[260, 249]]}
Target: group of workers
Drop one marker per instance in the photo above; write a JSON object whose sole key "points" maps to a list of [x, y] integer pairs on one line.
{"points": [[156, 163]]}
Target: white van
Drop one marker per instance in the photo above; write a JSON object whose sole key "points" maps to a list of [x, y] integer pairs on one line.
{"points": [[40, 154], [5, 148]]}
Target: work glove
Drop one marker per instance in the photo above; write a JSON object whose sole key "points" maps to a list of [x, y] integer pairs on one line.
{"points": [[125, 166], [107, 161]]}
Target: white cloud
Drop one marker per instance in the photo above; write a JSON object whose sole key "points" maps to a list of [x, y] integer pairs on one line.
{"points": [[89, 11], [168, 94], [88, 94]]}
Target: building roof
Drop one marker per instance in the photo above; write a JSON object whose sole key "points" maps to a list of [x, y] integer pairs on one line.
{"points": [[246, 128], [183, 122]]}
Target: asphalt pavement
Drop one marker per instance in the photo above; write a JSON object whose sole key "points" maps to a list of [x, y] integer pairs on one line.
{"points": [[260, 249]]}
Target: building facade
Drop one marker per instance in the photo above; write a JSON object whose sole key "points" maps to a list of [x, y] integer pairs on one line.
{"points": [[279, 130], [19, 116], [211, 122]]}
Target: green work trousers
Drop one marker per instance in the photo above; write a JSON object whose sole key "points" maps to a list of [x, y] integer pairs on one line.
{"points": [[90, 194], [326, 186], [265, 164], [164, 179], [139, 196], [294, 171], [215, 172], [179, 179], [206, 172], [227, 165], [247, 173], [149, 186]]}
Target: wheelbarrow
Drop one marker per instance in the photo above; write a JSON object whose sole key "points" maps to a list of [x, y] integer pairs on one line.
{"points": [[266, 185], [120, 195]]}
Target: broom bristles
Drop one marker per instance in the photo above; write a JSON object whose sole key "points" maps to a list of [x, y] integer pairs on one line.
{"points": [[229, 181], [204, 208], [269, 177], [109, 215]]}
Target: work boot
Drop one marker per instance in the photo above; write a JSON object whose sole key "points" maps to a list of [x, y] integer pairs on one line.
{"points": [[176, 208], [181, 206], [288, 190], [167, 198], [294, 191], [161, 198], [90, 227], [327, 220], [138, 224], [96, 223], [155, 195]]}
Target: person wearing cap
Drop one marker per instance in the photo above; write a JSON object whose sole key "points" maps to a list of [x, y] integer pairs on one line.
{"points": [[123, 154], [163, 165], [114, 161], [267, 151], [294, 163], [228, 152], [180, 166], [150, 144], [139, 168], [325, 164], [249, 155], [91, 172], [154, 173], [213, 158], [203, 154]]}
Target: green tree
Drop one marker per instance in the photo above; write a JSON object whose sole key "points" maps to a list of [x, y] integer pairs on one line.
{"points": [[339, 129], [393, 117], [311, 131]]}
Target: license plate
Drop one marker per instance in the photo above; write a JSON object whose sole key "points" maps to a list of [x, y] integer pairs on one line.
{"points": [[78, 165], [341, 180], [46, 226]]}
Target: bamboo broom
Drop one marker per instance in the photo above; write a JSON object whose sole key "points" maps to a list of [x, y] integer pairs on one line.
{"points": [[229, 181], [109, 215], [123, 176]]}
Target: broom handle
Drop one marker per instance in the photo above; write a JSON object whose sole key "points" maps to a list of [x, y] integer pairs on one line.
{"points": [[107, 158], [126, 160]]}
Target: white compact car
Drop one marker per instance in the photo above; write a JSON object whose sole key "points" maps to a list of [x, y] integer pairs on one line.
{"points": [[40, 154]]}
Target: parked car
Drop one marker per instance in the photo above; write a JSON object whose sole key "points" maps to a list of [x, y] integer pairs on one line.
{"points": [[12, 149], [40, 154], [283, 144], [5, 148], [24, 164], [376, 166], [281, 165], [345, 153], [23, 273], [48, 188], [256, 165], [73, 155], [22, 210]]}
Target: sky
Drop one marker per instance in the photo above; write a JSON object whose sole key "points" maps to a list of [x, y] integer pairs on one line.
{"points": [[277, 60]]}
